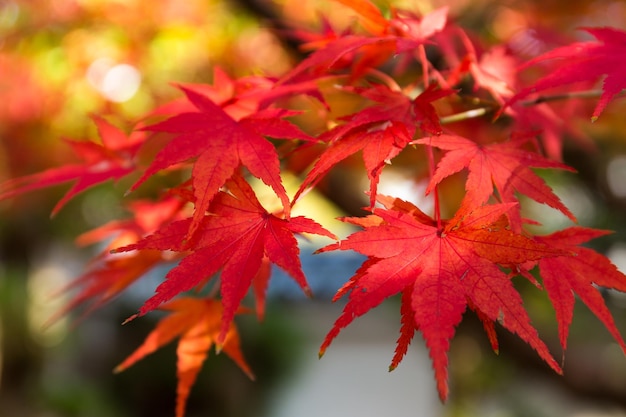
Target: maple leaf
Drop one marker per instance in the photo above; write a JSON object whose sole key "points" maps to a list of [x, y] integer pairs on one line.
{"points": [[402, 24], [495, 70], [244, 96], [503, 165], [260, 283], [554, 127], [338, 53], [237, 97], [441, 270], [108, 274], [113, 159], [586, 61], [565, 276], [235, 238], [219, 144], [371, 17], [381, 131], [197, 323], [311, 40], [387, 37]]}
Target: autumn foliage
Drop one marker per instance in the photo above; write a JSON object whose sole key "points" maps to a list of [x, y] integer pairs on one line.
{"points": [[424, 88]]}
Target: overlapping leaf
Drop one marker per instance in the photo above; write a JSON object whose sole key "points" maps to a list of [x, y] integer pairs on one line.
{"points": [[555, 126], [505, 166], [387, 37], [219, 144], [112, 160], [495, 70], [109, 274], [565, 276], [234, 238], [197, 324], [441, 270], [381, 131], [586, 61]]}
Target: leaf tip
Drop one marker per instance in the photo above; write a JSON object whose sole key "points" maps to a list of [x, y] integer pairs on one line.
{"points": [[443, 395], [131, 318], [308, 292]]}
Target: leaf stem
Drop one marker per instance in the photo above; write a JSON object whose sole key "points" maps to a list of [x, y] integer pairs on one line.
{"points": [[431, 173], [385, 78], [421, 52]]}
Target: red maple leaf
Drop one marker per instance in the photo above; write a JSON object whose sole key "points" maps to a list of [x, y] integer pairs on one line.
{"points": [[441, 270], [400, 34], [565, 276], [555, 126], [586, 61], [505, 166], [339, 53], [381, 131], [203, 135], [109, 274], [114, 159], [235, 238], [495, 71], [237, 97], [197, 323]]}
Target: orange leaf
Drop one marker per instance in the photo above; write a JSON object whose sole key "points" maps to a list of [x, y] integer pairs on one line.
{"points": [[108, 274], [372, 19], [197, 323]]}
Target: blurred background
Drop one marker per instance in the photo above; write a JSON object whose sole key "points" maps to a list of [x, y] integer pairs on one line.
{"points": [[61, 60]]}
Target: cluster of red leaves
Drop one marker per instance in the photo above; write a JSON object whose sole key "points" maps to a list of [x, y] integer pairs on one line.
{"points": [[213, 224]]}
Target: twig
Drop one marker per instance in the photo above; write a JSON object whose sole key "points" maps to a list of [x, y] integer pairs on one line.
{"points": [[481, 111], [469, 114], [563, 96]]}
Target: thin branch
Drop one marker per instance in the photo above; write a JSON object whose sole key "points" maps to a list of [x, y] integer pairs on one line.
{"points": [[563, 96], [469, 114], [384, 78], [481, 111], [431, 170]]}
